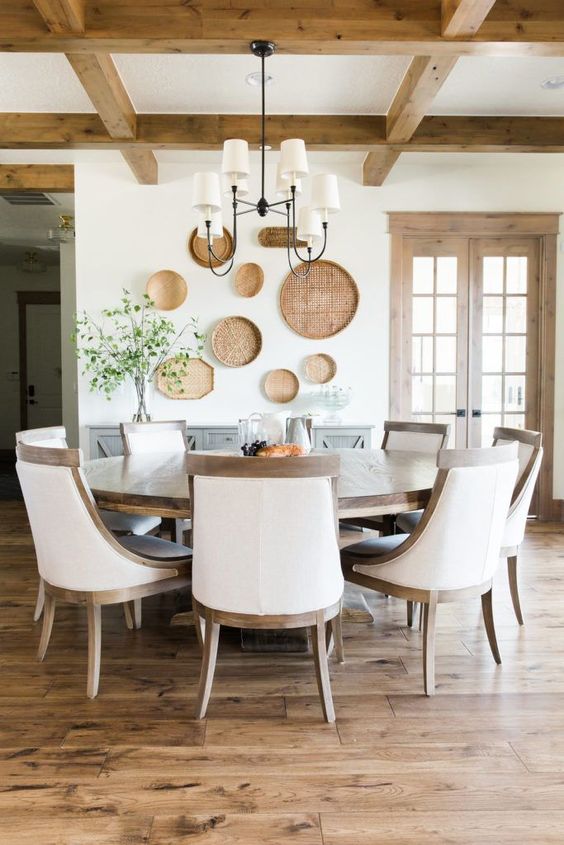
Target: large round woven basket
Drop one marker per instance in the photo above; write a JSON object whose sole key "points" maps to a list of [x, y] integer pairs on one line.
{"points": [[198, 248], [236, 341], [323, 303]]}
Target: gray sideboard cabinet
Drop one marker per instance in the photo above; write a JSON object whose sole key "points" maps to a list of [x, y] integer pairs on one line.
{"points": [[105, 440]]}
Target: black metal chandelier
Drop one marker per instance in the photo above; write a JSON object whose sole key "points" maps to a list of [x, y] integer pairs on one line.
{"points": [[312, 221]]}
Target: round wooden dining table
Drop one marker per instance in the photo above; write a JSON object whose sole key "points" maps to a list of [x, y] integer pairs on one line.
{"points": [[372, 482]]}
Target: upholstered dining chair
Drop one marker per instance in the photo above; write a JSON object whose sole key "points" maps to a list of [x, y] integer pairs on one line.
{"points": [[453, 552], [405, 437], [275, 561], [530, 458], [86, 564], [55, 437], [158, 436]]}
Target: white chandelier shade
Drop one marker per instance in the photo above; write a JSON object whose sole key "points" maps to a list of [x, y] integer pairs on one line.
{"points": [[235, 161], [284, 187], [309, 226], [325, 194], [293, 159], [242, 188], [216, 229], [206, 196]]}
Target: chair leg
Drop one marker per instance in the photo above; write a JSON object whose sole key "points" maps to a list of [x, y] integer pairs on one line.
{"points": [[209, 658], [322, 667], [514, 587], [48, 616], [337, 630], [429, 623], [409, 614], [199, 625], [133, 613], [421, 611], [94, 648], [487, 612], [137, 612], [40, 600]]}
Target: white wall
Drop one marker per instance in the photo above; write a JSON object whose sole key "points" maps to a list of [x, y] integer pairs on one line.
{"points": [[68, 357], [126, 231], [12, 280]]}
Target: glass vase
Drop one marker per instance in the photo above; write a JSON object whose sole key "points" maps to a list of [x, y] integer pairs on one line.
{"points": [[142, 414]]}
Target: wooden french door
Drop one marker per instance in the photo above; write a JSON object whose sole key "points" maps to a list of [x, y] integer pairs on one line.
{"points": [[470, 334]]}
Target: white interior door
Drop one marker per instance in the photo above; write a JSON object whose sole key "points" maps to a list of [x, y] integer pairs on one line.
{"points": [[43, 359]]}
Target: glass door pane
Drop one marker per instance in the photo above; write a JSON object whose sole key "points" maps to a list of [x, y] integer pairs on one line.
{"points": [[435, 305], [504, 335]]}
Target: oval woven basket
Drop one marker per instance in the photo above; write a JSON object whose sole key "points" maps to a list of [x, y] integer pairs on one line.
{"points": [[320, 368], [236, 341], [249, 279], [198, 248], [167, 289], [322, 304], [281, 386]]}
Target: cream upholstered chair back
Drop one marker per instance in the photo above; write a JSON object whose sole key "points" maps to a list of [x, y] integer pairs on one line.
{"points": [[276, 550], [54, 437], [530, 459], [166, 436], [457, 542], [74, 549], [414, 436]]}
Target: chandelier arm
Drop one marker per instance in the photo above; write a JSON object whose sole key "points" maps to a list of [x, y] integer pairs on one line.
{"points": [[248, 211], [274, 204], [294, 231], [276, 211], [245, 202], [306, 272], [226, 271]]}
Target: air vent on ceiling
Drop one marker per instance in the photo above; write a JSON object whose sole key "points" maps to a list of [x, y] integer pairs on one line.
{"points": [[26, 198]]}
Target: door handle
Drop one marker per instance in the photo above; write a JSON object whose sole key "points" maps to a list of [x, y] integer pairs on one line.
{"points": [[476, 412], [461, 412], [31, 390]]}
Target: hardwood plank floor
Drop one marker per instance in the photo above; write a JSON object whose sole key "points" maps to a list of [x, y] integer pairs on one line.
{"points": [[482, 761]]}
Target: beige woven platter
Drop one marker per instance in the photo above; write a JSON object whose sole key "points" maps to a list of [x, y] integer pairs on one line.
{"points": [[249, 279], [281, 386], [236, 341], [167, 289], [198, 248], [276, 236], [195, 377], [320, 368], [322, 304]]}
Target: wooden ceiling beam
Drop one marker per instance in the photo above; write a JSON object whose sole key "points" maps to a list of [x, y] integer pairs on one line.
{"points": [[100, 79], [62, 16], [418, 89], [463, 18], [512, 28], [321, 132], [50, 178], [377, 165]]}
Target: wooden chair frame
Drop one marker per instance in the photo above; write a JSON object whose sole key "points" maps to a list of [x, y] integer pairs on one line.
{"points": [[534, 439], [428, 598], [208, 620], [93, 600]]}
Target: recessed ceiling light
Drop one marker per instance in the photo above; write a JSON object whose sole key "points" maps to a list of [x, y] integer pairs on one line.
{"points": [[255, 79], [553, 83]]}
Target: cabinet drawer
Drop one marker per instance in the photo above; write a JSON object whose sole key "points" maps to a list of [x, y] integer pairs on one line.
{"points": [[226, 438]]}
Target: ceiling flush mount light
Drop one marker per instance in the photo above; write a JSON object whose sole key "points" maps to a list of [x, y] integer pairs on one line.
{"points": [[553, 83], [313, 220], [255, 79], [64, 231]]}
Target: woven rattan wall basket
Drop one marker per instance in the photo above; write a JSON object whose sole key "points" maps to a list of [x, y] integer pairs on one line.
{"points": [[322, 304], [167, 289], [276, 236], [320, 368], [198, 248], [191, 379], [236, 341], [249, 279], [281, 386]]}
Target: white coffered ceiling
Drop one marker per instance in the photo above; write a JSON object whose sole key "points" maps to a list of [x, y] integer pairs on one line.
{"points": [[302, 84]]}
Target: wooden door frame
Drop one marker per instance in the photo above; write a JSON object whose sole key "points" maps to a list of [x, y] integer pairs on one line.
{"points": [[543, 226], [25, 298]]}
